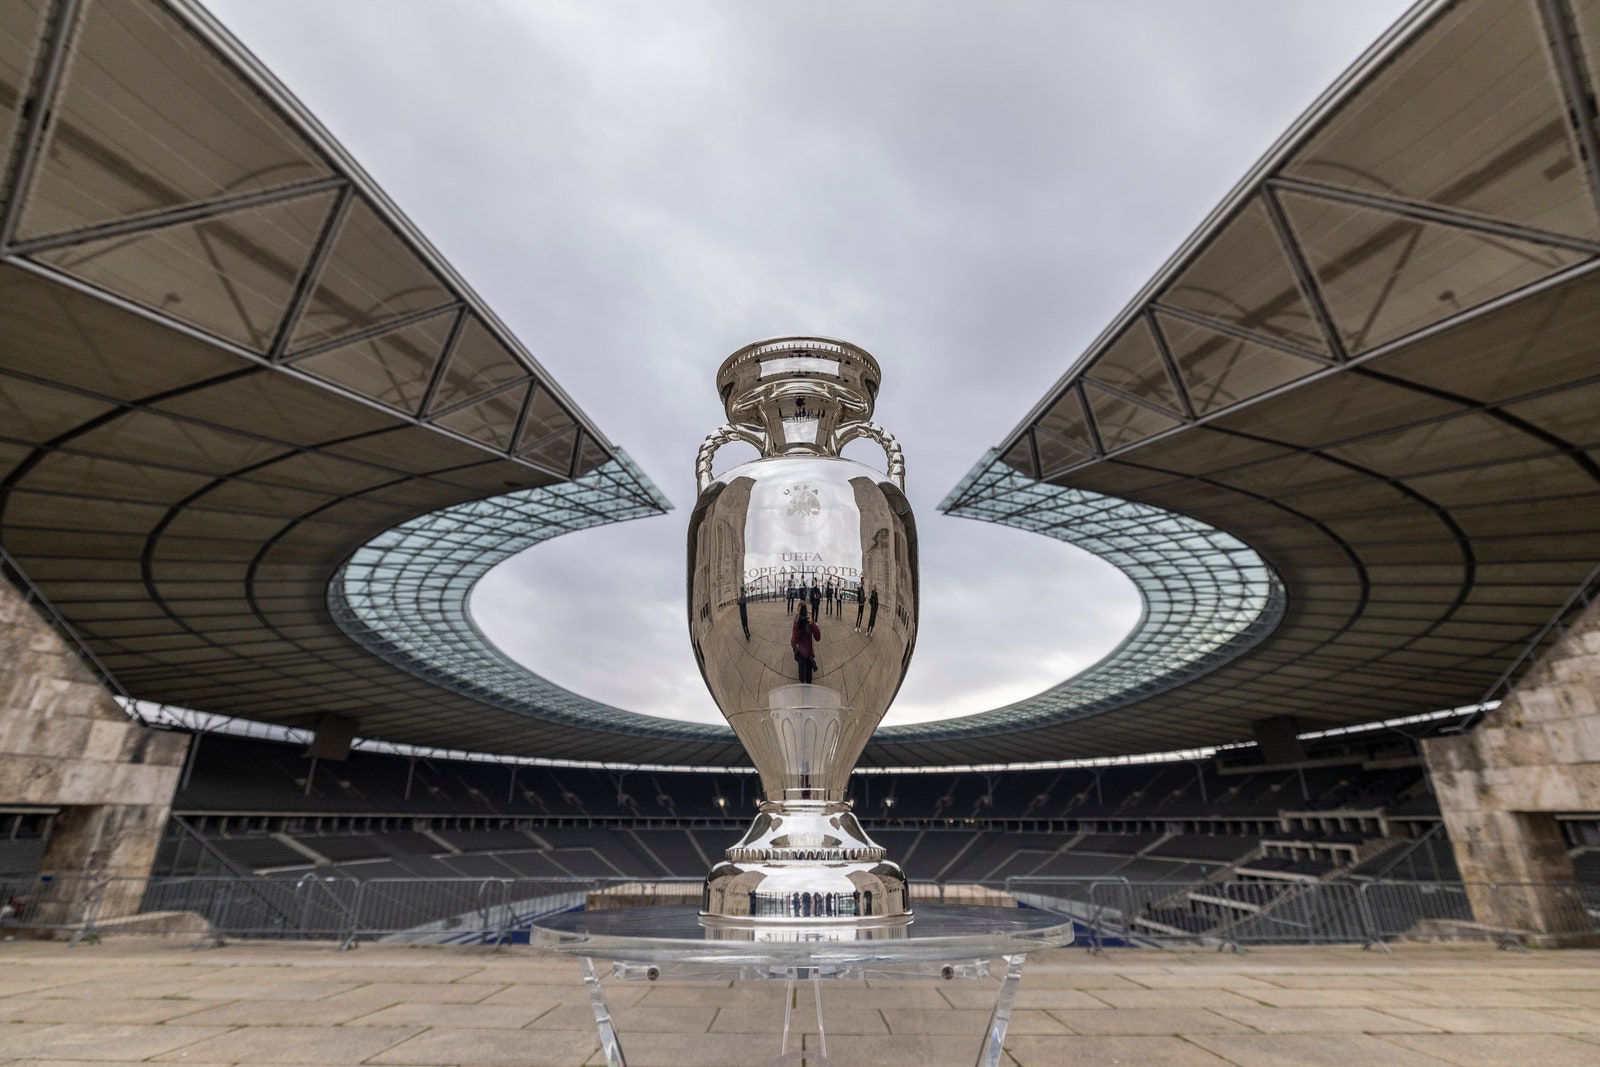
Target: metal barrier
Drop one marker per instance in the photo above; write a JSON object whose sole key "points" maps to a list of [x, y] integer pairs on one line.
{"points": [[1426, 911], [1265, 912], [1547, 913], [1110, 911]]}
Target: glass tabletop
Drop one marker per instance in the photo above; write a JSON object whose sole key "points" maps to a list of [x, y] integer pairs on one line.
{"points": [[663, 934]]}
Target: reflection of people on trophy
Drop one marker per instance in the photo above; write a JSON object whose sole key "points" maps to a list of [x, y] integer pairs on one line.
{"points": [[800, 639], [815, 596], [788, 597], [861, 606], [827, 595], [744, 610], [872, 611]]}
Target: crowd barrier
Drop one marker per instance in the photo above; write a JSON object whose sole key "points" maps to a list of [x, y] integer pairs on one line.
{"points": [[1108, 911], [1373, 913]]}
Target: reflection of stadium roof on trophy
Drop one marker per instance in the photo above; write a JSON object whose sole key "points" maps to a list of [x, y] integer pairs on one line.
{"points": [[1375, 365]]}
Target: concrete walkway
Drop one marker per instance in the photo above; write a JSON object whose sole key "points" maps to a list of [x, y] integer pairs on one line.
{"points": [[144, 1000]]}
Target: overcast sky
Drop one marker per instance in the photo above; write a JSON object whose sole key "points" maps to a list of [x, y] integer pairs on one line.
{"points": [[971, 191]]}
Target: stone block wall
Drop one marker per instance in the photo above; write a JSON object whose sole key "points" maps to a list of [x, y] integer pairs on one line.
{"points": [[65, 742], [1501, 786]]}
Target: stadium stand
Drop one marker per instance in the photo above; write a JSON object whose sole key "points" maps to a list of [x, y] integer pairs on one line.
{"points": [[253, 806]]}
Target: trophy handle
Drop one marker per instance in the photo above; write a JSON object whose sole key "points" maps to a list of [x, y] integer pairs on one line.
{"points": [[892, 451], [722, 435]]}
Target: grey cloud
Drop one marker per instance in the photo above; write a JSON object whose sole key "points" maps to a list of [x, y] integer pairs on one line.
{"points": [[969, 190]]}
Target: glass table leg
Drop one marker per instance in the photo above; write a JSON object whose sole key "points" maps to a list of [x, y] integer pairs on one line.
{"points": [[993, 1047], [602, 1016], [822, 1037]]}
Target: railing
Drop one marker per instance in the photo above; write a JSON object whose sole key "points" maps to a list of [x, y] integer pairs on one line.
{"points": [[1110, 912], [1238, 914]]}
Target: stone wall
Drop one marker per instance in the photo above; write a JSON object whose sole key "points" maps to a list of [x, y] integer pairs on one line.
{"points": [[65, 742], [1500, 786]]}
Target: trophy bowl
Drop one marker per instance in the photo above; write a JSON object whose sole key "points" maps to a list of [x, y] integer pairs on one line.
{"points": [[802, 587]]}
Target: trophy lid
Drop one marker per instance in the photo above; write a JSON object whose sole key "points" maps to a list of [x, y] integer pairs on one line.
{"points": [[780, 385]]}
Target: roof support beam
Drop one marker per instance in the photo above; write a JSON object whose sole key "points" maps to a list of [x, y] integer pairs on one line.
{"points": [[306, 284], [387, 327], [1575, 87], [1423, 212], [155, 220], [1304, 275], [444, 359], [1171, 365], [37, 111], [1224, 327]]}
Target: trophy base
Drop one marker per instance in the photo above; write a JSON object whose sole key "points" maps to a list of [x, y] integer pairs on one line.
{"points": [[806, 862]]}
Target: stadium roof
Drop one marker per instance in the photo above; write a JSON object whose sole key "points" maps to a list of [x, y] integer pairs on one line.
{"points": [[1377, 364], [227, 362], [258, 441]]}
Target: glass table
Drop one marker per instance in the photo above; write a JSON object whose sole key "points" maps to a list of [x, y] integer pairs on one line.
{"points": [[942, 942]]}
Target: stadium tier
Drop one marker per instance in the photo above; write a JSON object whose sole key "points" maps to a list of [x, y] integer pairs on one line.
{"points": [[259, 807]]}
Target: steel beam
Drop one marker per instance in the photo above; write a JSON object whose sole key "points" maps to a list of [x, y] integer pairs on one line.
{"points": [[1239, 333], [197, 212], [379, 330], [1425, 212], [306, 284], [1310, 289], [1579, 96], [445, 353], [1171, 364], [31, 130]]}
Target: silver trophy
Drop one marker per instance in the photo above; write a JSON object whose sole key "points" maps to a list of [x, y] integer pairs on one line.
{"points": [[803, 615]]}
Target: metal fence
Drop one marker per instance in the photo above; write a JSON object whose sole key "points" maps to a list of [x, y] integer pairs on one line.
{"points": [[1108, 911], [1241, 913], [341, 909]]}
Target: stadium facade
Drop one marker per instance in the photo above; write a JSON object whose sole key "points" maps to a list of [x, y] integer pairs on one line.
{"points": [[258, 441]]}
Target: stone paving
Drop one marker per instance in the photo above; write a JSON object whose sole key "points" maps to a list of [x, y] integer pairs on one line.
{"points": [[145, 1000]]}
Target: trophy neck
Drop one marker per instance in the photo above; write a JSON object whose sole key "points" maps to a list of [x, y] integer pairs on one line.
{"points": [[800, 418]]}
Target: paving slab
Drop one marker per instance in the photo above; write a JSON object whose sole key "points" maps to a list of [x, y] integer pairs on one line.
{"points": [[43, 1008], [769, 1020], [700, 1050], [969, 995], [382, 994], [1498, 1050], [1310, 1050], [637, 1018], [1491, 1020], [1201, 980], [618, 994], [1152, 1021], [81, 1041], [291, 1044], [274, 1012], [495, 1048], [1481, 998], [1135, 1051], [967, 1021], [1171, 998], [455, 1016], [1324, 1021]]}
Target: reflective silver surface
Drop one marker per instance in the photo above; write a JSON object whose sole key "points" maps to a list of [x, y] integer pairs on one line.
{"points": [[667, 934], [803, 615]]}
